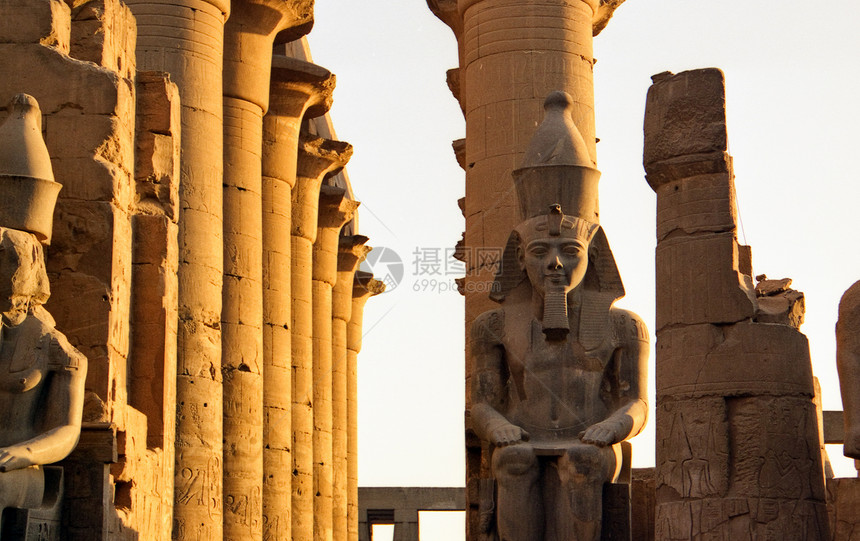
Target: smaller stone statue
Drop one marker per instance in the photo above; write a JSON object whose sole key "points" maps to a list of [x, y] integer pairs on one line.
{"points": [[848, 365], [560, 374], [41, 374]]}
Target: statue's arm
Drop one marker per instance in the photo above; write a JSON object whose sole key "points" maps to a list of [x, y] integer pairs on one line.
{"points": [[59, 425], [489, 382], [629, 378]]}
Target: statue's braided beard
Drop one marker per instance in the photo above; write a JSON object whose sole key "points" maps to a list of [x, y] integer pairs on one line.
{"points": [[555, 323]]}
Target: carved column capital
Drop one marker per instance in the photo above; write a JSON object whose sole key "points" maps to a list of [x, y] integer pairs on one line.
{"points": [[253, 26], [447, 12], [318, 158], [364, 286], [450, 12], [299, 89], [603, 13], [351, 252], [335, 210]]}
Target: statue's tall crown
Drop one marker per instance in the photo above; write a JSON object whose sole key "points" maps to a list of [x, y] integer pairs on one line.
{"points": [[28, 192], [557, 168]]}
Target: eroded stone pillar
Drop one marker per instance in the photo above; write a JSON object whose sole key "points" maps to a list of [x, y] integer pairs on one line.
{"points": [[317, 158], [298, 89], [248, 38], [364, 287], [186, 39], [738, 451]]}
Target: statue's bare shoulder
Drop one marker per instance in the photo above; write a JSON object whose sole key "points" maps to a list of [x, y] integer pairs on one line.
{"points": [[629, 328], [488, 329]]}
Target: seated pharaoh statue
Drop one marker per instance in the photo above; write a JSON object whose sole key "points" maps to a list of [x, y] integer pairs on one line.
{"points": [[559, 378], [41, 374]]}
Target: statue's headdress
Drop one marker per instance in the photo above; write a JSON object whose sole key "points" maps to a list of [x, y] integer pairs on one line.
{"points": [[557, 191], [28, 192]]}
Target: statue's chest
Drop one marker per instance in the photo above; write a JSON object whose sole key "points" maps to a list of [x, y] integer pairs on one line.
{"points": [[536, 355], [22, 362]]}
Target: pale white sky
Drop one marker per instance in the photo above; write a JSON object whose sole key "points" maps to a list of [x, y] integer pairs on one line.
{"points": [[793, 117]]}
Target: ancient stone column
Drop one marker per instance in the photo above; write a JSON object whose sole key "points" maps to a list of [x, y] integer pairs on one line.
{"points": [[298, 89], [513, 53], [364, 287], [351, 252], [185, 38], [317, 158], [335, 210], [738, 452], [248, 38]]}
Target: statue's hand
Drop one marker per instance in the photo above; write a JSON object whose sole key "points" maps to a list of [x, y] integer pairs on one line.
{"points": [[604, 433], [508, 435], [15, 458]]}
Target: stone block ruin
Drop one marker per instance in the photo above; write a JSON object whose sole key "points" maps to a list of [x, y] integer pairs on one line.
{"points": [[205, 309]]}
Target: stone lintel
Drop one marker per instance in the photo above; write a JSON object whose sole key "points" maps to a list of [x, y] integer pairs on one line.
{"points": [[744, 359], [413, 498], [299, 89], [834, 426]]}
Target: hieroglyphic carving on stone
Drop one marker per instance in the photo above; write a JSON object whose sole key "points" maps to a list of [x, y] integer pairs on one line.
{"points": [[201, 487], [698, 431], [777, 460]]}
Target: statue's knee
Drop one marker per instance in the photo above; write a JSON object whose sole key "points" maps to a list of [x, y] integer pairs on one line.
{"points": [[514, 460], [589, 462]]}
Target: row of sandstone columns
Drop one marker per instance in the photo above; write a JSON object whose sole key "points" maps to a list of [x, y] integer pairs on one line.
{"points": [[193, 265], [263, 391]]}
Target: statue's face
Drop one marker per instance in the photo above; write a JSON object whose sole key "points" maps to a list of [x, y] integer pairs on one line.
{"points": [[22, 269], [554, 262]]}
